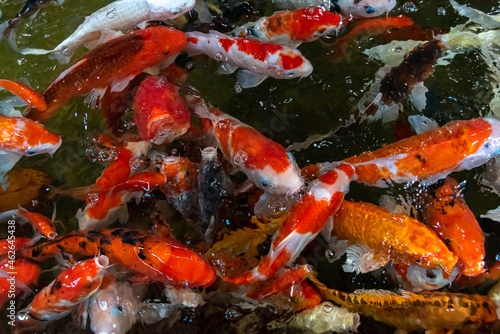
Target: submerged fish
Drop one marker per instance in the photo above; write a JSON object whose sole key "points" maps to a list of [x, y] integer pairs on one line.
{"points": [[292, 27], [431, 155], [160, 113], [114, 63], [259, 60], [119, 15], [265, 162], [42, 224], [30, 8], [21, 273], [365, 8]]}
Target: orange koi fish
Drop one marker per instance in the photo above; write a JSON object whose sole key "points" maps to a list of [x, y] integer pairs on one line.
{"points": [[265, 162], [287, 27], [42, 224], [449, 216], [23, 136], [21, 273], [24, 185], [160, 114], [434, 154], [307, 218], [30, 96], [410, 311], [154, 256], [369, 27], [114, 63], [15, 244], [390, 236], [259, 60], [73, 286]]}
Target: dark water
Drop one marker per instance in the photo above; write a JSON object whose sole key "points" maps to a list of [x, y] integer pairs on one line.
{"points": [[287, 111]]}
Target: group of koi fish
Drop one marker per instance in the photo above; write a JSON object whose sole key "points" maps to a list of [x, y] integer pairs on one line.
{"points": [[106, 268]]}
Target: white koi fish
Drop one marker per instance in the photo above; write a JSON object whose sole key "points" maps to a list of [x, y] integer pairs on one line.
{"points": [[119, 15], [259, 60]]}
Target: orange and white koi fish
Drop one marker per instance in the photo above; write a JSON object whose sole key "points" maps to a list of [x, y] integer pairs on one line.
{"points": [[21, 273], [42, 224], [410, 311], [415, 278], [431, 155], [20, 136], [181, 186], [446, 212], [119, 15], [109, 206], [307, 218], [71, 287], [264, 162], [259, 60], [292, 27], [154, 256], [114, 63], [160, 114], [389, 236], [30, 96]]}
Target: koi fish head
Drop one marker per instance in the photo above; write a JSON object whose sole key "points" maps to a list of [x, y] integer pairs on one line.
{"points": [[317, 23], [162, 40], [366, 8], [169, 9], [293, 65], [159, 112]]}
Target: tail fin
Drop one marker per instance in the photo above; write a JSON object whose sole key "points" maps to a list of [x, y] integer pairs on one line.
{"points": [[8, 32]]}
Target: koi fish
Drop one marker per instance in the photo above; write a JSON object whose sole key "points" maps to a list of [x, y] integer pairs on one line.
{"points": [[211, 185], [401, 82], [42, 224], [265, 162], [368, 28], [21, 273], [156, 257], [120, 15], [114, 63], [306, 219], [431, 155], [30, 8], [71, 287], [476, 16], [108, 206], [446, 212], [365, 8], [410, 311], [390, 236], [259, 60], [17, 243], [30, 96], [23, 186], [292, 27], [160, 114], [20, 136], [416, 278]]}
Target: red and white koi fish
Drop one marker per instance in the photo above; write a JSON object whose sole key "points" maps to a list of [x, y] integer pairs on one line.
{"points": [[71, 287], [156, 257], [387, 237], [42, 224], [259, 60], [21, 273], [120, 15], [20, 136], [160, 113], [114, 63], [307, 218], [264, 162], [446, 212], [431, 155], [292, 27], [108, 206]]}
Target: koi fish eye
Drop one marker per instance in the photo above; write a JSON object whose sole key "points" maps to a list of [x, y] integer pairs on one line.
{"points": [[265, 182], [369, 9], [30, 151]]}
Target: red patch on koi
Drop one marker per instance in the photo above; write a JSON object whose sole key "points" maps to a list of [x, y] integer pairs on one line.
{"points": [[257, 49], [226, 43], [291, 62]]}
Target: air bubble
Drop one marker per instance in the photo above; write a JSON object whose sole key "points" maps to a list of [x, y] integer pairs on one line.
{"points": [[232, 313], [219, 56], [327, 307], [330, 255], [410, 7], [237, 88], [441, 11], [240, 157], [276, 208], [92, 198]]}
